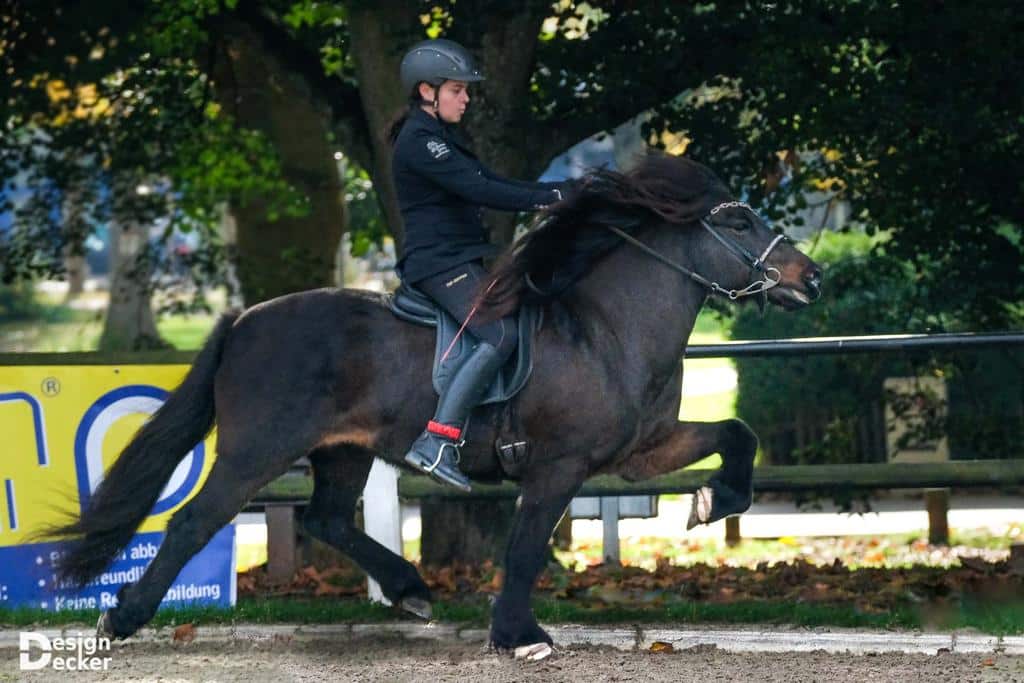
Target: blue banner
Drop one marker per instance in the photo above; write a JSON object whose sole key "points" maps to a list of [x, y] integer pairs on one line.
{"points": [[28, 576]]}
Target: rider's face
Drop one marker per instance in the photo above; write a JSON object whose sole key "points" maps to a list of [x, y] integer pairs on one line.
{"points": [[452, 98]]}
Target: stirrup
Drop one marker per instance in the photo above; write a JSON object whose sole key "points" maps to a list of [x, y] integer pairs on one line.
{"points": [[455, 446]]}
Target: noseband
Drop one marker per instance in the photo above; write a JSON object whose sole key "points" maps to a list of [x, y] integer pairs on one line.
{"points": [[756, 263]]}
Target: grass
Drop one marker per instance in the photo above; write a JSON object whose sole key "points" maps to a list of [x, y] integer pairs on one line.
{"points": [[891, 551], [56, 326], [81, 330], [997, 618]]}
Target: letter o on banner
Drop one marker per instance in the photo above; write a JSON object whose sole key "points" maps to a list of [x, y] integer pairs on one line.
{"points": [[97, 421]]}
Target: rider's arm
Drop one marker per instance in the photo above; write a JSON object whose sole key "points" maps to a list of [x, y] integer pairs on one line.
{"points": [[435, 159], [526, 184]]}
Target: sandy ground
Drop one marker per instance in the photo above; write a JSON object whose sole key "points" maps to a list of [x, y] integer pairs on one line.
{"points": [[397, 659]]}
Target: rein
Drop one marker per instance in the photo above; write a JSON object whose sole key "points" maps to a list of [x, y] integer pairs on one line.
{"points": [[756, 263]]}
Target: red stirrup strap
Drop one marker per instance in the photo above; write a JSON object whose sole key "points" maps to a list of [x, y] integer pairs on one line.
{"points": [[444, 430]]}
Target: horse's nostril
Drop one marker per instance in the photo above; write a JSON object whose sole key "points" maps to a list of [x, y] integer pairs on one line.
{"points": [[812, 279]]}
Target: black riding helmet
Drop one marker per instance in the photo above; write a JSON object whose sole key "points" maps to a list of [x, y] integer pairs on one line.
{"points": [[436, 61]]}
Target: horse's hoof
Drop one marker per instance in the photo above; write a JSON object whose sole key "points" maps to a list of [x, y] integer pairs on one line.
{"points": [[103, 628], [700, 511], [418, 606], [533, 653]]}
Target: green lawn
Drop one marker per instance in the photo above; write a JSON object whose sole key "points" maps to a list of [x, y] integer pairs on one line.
{"points": [[82, 333], [1002, 618]]}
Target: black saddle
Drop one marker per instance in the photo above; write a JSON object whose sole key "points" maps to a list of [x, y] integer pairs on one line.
{"points": [[414, 306]]}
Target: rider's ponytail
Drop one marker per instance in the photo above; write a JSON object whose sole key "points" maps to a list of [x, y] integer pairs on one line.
{"points": [[394, 127]]}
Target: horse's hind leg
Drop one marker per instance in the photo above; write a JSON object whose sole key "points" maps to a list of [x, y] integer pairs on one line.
{"points": [[339, 475], [729, 491], [233, 480]]}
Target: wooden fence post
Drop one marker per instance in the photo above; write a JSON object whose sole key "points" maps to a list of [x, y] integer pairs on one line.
{"points": [[937, 503], [610, 525], [281, 542], [732, 531]]}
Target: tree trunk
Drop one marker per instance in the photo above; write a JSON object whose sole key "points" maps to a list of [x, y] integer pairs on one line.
{"points": [[76, 227], [76, 268], [129, 325], [469, 532], [499, 114], [289, 254], [381, 32]]}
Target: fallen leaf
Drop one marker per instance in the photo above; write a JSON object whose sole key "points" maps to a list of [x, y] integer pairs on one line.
{"points": [[988, 662], [662, 646], [185, 633]]}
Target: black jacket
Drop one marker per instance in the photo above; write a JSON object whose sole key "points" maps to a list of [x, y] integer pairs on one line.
{"points": [[441, 186]]}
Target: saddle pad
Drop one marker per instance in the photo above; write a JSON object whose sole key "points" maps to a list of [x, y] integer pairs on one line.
{"points": [[416, 307]]}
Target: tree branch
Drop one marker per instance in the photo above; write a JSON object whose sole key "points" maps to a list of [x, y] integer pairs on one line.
{"points": [[340, 98]]}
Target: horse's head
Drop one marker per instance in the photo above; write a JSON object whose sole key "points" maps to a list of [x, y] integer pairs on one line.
{"points": [[730, 250], [755, 260]]}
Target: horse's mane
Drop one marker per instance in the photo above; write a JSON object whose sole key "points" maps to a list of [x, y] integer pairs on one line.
{"points": [[571, 235]]}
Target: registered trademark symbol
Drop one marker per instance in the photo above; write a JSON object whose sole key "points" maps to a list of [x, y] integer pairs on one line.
{"points": [[51, 386]]}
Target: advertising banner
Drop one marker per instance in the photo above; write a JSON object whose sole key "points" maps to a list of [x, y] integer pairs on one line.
{"points": [[61, 428]]}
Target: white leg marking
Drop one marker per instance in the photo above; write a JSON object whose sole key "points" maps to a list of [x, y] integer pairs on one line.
{"points": [[704, 494], [533, 653]]}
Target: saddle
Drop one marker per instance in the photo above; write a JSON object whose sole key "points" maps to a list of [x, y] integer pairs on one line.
{"points": [[412, 305]]}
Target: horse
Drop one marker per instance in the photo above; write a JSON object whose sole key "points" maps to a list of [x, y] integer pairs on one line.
{"points": [[620, 268]]}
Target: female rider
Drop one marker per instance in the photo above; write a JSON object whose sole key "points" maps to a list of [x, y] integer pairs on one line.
{"points": [[441, 186]]}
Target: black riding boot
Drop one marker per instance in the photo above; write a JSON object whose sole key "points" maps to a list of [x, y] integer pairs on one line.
{"points": [[436, 451]]}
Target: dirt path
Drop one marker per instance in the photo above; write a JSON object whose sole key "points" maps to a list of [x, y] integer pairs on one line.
{"points": [[397, 659]]}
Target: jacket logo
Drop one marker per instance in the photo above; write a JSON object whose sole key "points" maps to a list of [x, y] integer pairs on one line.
{"points": [[456, 280], [437, 149]]}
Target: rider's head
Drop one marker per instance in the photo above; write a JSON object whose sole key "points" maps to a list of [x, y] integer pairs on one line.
{"points": [[437, 73]]}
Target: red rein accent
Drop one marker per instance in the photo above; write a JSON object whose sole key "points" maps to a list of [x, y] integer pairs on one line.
{"points": [[444, 430]]}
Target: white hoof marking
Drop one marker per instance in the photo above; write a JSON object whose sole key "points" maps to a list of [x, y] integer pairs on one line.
{"points": [[704, 494], [533, 653]]}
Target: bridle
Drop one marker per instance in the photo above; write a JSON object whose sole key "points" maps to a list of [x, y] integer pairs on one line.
{"points": [[756, 263]]}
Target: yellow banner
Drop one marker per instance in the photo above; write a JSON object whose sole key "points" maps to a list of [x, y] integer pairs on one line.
{"points": [[61, 427]]}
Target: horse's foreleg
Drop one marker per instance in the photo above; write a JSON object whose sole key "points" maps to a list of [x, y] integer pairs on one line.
{"points": [[729, 491], [339, 475], [543, 502]]}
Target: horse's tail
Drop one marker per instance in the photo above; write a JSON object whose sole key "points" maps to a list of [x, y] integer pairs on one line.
{"points": [[132, 485]]}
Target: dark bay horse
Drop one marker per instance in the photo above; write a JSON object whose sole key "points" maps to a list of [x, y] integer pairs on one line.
{"points": [[621, 269]]}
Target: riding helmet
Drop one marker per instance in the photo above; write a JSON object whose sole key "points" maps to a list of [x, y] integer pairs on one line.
{"points": [[436, 61]]}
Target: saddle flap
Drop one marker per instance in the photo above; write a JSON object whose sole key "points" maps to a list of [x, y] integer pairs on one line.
{"points": [[411, 305]]}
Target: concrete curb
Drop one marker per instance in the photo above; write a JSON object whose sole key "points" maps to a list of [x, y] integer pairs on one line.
{"points": [[782, 639]]}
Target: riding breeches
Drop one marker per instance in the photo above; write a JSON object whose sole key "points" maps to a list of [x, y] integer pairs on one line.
{"points": [[455, 289]]}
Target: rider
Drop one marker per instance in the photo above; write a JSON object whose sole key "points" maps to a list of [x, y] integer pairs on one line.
{"points": [[441, 185]]}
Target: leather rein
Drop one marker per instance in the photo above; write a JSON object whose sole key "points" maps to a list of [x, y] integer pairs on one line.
{"points": [[756, 263]]}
